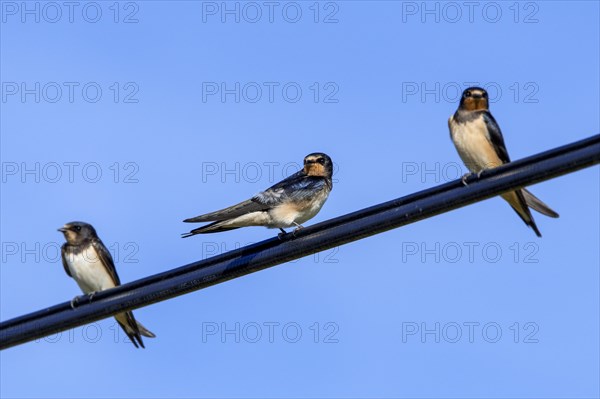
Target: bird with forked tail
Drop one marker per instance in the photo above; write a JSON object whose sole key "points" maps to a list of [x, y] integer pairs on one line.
{"points": [[480, 145], [88, 262], [288, 203]]}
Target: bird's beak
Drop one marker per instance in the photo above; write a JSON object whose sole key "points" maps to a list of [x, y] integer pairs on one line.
{"points": [[63, 229]]}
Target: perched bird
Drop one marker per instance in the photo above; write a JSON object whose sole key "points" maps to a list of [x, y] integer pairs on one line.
{"points": [[86, 259], [288, 203], [480, 144]]}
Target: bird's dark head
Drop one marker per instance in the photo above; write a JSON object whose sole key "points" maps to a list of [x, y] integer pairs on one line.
{"points": [[474, 99], [78, 232], [318, 164]]}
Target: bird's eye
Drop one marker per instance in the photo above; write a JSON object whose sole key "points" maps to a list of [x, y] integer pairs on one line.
{"points": [[468, 93], [321, 161], [77, 228], [485, 94]]}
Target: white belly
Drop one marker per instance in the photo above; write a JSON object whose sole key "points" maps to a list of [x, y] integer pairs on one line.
{"points": [[288, 215], [282, 216], [311, 211], [474, 148], [88, 271]]}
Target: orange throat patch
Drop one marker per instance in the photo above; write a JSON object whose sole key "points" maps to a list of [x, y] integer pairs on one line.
{"points": [[315, 169], [475, 104]]}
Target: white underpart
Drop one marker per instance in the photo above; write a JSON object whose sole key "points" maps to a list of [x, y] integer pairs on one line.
{"points": [[88, 271], [289, 215], [473, 146], [250, 219], [281, 216]]}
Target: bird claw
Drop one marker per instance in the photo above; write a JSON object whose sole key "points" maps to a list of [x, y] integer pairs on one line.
{"points": [[282, 234], [464, 178], [299, 227], [74, 302]]}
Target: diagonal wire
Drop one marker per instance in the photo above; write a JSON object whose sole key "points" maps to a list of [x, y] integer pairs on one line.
{"points": [[319, 237]]}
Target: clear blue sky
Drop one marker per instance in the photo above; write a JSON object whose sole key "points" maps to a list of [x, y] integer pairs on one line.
{"points": [[177, 109]]}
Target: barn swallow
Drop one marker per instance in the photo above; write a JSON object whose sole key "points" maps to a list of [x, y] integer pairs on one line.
{"points": [[480, 144], [86, 259], [288, 203]]}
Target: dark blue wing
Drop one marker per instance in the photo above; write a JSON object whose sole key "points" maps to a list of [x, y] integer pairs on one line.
{"points": [[495, 136], [64, 252], [296, 187], [106, 259]]}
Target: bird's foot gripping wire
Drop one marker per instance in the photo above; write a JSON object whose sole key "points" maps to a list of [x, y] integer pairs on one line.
{"points": [[464, 178], [298, 227], [74, 302], [282, 234]]}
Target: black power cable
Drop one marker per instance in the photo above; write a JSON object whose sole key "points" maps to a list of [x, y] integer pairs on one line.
{"points": [[319, 237]]}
